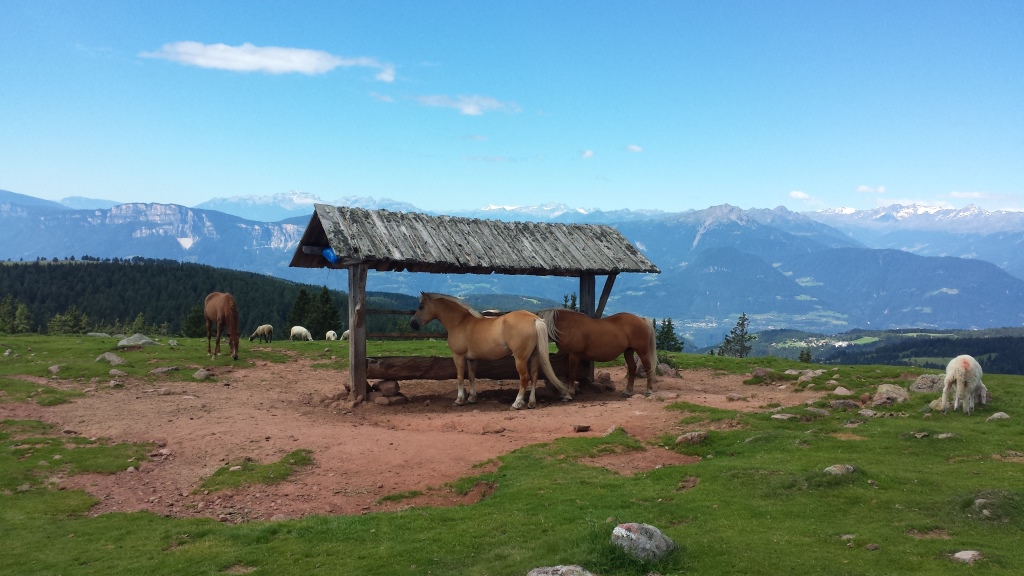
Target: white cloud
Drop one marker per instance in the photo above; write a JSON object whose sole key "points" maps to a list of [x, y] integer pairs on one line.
{"points": [[269, 59], [469, 105], [634, 148], [798, 195], [587, 154], [871, 190]]}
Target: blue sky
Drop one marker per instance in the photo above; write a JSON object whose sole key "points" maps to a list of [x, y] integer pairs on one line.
{"points": [[666, 105]]}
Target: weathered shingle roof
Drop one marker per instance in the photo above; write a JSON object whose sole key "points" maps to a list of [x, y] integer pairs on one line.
{"points": [[397, 241]]}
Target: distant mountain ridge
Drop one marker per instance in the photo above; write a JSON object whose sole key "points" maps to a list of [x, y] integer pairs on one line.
{"points": [[784, 269]]}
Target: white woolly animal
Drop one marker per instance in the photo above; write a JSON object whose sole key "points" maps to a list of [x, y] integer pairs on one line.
{"points": [[331, 335], [344, 335], [965, 372], [301, 333], [264, 332]]}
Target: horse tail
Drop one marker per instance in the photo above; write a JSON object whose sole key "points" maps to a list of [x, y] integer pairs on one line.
{"points": [[549, 316], [652, 340], [545, 362]]}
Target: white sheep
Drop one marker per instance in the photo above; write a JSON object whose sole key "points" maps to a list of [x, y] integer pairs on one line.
{"points": [[965, 372], [301, 333], [344, 335], [331, 335], [264, 332]]}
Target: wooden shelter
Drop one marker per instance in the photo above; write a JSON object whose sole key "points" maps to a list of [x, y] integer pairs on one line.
{"points": [[360, 240]]}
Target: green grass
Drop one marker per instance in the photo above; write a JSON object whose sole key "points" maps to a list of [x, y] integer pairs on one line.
{"points": [[762, 503], [236, 474]]}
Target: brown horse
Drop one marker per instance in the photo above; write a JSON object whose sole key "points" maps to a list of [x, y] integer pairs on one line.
{"points": [[604, 339], [221, 311], [472, 337]]}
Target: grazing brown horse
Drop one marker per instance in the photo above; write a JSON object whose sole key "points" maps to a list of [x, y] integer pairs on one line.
{"points": [[221, 311], [604, 339], [472, 337]]}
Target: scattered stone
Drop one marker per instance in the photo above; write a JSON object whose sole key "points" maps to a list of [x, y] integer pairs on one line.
{"points": [[202, 374], [380, 400], [388, 388], [733, 397], [967, 556], [695, 437], [928, 383], [867, 413], [643, 541], [234, 469], [844, 405], [818, 411], [8, 352], [872, 547], [841, 391], [581, 428], [889, 394], [136, 340], [172, 342], [783, 416], [603, 380], [946, 435], [839, 469], [397, 400], [117, 373], [54, 369], [998, 416], [761, 372], [114, 359], [571, 570], [131, 469], [69, 432], [163, 370]]}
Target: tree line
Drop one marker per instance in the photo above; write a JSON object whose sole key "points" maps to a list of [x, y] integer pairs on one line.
{"points": [[166, 297]]}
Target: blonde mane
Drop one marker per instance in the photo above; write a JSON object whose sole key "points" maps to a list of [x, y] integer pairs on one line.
{"points": [[454, 300]]}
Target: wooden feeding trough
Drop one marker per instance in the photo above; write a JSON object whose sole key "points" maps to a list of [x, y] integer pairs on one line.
{"points": [[359, 240]]}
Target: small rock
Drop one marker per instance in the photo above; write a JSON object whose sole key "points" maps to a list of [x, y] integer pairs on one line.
{"points": [[571, 570], [998, 416], [692, 437], [967, 556], [493, 428], [839, 469], [202, 374], [581, 428], [841, 391], [234, 469]]}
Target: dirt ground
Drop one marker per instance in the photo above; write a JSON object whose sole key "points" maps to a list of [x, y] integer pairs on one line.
{"points": [[361, 454]]}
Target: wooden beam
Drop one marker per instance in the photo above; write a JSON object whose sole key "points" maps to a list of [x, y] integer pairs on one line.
{"points": [[357, 332], [443, 368], [605, 293], [588, 285]]}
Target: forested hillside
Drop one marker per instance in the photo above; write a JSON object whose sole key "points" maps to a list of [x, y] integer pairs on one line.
{"points": [[997, 354], [164, 292]]}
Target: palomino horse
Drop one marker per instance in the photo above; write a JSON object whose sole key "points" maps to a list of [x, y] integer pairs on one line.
{"points": [[472, 337], [604, 339], [221, 311]]}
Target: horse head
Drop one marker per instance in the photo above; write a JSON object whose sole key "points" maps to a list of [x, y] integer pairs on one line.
{"points": [[424, 313]]}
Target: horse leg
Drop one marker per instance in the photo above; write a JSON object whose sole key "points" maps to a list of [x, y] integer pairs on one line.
{"points": [[216, 349], [533, 382], [649, 368], [460, 373], [209, 335], [630, 371], [524, 374], [471, 368], [572, 369]]}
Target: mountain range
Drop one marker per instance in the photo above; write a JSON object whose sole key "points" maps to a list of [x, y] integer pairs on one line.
{"points": [[829, 271]]}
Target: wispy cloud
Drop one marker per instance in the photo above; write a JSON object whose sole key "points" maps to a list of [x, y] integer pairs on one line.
{"points": [[634, 148], [871, 189], [587, 154], [269, 59], [798, 195], [469, 105]]}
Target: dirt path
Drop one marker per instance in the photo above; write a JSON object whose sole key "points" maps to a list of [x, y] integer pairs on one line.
{"points": [[362, 454]]}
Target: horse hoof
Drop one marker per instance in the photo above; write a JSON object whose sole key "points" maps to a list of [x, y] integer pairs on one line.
{"points": [[459, 402], [649, 393], [517, 406]]}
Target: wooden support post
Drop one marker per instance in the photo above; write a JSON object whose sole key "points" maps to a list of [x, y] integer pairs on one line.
{"points": [[605, 293], [357, 332], [588, 285]]}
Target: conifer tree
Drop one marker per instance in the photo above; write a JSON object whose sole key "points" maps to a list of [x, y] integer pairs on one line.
{"points": [[668, 341], [737, 343], [300, 308]]}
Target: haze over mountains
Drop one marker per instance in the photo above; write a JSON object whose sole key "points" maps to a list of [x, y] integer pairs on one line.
{"points": [[830, 271]]}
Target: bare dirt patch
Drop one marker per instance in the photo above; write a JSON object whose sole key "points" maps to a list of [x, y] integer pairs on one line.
{"points": [[266, 411]]}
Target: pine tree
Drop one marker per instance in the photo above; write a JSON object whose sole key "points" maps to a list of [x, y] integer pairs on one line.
{"points": [[805, 355], [737, 343], [668, 341], [300, 308], [193, 324], [323, 315]]}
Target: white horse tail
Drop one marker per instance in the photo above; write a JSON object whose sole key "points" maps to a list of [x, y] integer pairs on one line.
{"points": [[549, 315], [545, 362], [653, 347]]}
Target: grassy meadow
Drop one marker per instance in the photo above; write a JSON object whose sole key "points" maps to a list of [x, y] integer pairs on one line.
{"points": [[925, 486]]}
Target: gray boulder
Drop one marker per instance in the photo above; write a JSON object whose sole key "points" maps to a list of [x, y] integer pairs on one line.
{"points": [[643, 541], [136, 340], [571, 570]]}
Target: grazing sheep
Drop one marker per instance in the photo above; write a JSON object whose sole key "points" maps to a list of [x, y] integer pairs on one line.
{"points": [[332, 335], [965, 372], [344, 335], [264, 332], [301, 333]]}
